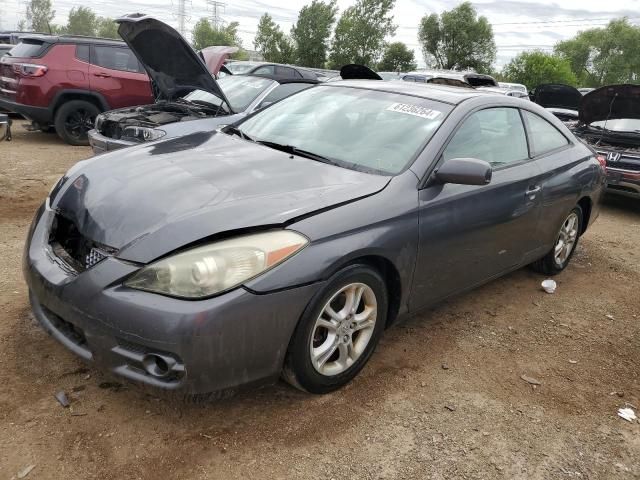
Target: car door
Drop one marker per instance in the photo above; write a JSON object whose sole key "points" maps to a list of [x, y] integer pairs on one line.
{"points": [[469, 234], [117, 75], [561, 184]]}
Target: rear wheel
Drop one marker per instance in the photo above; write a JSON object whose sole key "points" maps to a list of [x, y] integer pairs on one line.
{"points": [[558, 258], [74, 119], [338, 331]]}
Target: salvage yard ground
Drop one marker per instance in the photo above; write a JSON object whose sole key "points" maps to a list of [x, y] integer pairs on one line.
{"points": [[442, 398]]}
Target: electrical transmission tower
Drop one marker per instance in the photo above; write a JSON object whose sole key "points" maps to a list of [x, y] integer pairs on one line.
{"points": [[217, 9], [181, 15]]}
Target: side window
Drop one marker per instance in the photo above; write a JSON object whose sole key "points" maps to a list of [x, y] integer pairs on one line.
{"points": [[544, 136], [265, 70], [115, 58], [409, 78], [287, 72], [495, 135], [82, 53], [282, 91]]}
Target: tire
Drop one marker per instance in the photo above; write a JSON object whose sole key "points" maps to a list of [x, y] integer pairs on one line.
{"points": [[352, 347], [552, 263], [74, 119]]}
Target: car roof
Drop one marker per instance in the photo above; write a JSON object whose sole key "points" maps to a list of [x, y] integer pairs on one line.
{"points": [[72, 39], [440, 93]]}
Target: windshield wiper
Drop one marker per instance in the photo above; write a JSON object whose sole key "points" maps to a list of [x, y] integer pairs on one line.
{"points": [[298, 151], [233, 130]]}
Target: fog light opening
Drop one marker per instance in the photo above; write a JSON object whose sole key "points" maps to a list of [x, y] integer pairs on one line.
{"points": [[156, 365]]}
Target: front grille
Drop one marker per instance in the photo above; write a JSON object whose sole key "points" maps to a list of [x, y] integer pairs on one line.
{"points": [[622, 159], [76, 250], [73, 333]]}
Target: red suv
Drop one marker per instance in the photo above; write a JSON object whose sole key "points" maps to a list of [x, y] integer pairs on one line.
{"points": [[66, 81]]}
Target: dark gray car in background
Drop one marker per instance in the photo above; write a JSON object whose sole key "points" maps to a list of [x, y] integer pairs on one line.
{"points": [[286, 244]]}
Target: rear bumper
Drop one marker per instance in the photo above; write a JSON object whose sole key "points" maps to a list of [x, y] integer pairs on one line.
{"points": [[41, 115], [100, 144], [623, 182], [221, 343]]}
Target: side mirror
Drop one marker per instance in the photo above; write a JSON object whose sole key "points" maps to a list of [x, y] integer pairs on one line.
{"points": [[5, 127], [464, 171]]}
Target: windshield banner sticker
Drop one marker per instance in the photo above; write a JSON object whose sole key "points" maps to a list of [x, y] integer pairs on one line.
{"points": [[423, 112]]}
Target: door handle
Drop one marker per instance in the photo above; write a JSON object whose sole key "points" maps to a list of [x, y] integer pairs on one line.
{"points": [[532, 191], [102, 75]]}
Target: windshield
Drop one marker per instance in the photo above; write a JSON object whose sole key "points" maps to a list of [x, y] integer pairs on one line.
{"points": [[619, 125], [239, 67], [240, 90], [356, 128]]}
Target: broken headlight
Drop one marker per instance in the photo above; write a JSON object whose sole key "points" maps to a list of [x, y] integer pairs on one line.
{"points": [[218, 267], [142, 134]]}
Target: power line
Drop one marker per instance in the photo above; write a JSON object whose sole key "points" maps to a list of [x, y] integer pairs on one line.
{"points": [[217, 8]]}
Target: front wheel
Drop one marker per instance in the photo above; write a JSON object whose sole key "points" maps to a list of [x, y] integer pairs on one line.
{"points": [[338, 331], [74, 119], [566, 242]]}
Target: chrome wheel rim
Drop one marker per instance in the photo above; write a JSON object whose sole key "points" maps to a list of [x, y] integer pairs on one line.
{"points": [[566, 239], [343, 329]]}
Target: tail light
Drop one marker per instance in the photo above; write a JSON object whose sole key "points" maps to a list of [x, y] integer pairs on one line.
{"points": [[602, 161], [29, 69]]}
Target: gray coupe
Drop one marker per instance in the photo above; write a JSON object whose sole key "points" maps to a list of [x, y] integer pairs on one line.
{"points": [[285, 245]]}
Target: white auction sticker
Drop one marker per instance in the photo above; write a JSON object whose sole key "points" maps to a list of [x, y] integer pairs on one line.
{"points": [[423, 112]]}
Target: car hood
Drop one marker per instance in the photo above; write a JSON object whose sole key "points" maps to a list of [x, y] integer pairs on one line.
{"points": [[147, 201], [174, 67], [354, 71], [557, 96], [214, 57], [611, 102]]}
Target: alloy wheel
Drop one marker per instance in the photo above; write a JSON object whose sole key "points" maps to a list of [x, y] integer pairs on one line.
{"points": [[78, 123], [566, 239], [343, 329]]}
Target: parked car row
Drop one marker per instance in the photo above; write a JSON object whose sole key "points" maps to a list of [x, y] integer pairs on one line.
{"points": [[608, 120]]}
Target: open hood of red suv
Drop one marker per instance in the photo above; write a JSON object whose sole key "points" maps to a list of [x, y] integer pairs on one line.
{"points": [[175, 68]]}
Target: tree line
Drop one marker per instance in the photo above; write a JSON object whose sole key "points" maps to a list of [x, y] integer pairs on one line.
{"points": [[458, 39]]}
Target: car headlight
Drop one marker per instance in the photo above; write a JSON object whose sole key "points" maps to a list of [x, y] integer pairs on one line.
{"points": [[142, 134], [218, 267], [98, 123]]}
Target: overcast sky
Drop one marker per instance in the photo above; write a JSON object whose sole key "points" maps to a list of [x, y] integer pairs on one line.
{"points": [[518, 24]]}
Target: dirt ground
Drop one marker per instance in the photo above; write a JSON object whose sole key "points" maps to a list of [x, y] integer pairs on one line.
{"points": [[442, 398]]}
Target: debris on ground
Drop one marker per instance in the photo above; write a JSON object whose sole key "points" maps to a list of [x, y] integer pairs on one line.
{"points": [[530, 380], [549, 285], [445, 366], [627, 414], [451, 408], [115, 386], [573, 362], [23, 473], [62, 399], [609, 316]]}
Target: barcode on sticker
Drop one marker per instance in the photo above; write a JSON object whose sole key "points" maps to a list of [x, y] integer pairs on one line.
{"points": [[423, 112]]}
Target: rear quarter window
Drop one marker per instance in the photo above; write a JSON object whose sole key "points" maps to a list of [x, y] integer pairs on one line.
{"points": [[29, 49], [115, 58], [544, 136]]}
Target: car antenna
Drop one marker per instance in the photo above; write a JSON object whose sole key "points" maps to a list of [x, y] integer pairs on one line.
{"points": [[604, 127]]}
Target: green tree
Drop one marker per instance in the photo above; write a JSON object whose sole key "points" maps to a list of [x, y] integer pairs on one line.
{"points": [[206, 35], [272, 43], [39, 15], [602, 56], [312, 31], [361, 31], [397, 57], [107, 28], [82, 21], [535, 67], [457, 39]]}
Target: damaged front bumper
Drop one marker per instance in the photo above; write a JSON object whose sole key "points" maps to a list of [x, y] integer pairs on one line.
{"points": [[221, 343]]}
